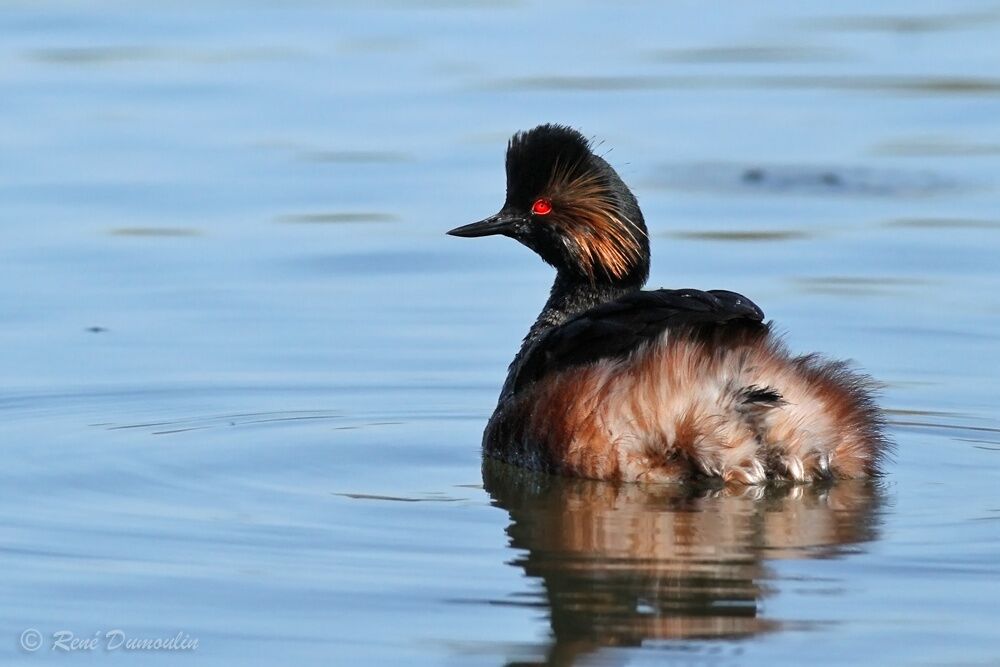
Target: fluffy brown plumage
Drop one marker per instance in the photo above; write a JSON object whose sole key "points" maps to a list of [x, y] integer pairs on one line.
{"points": [[680, 408]]}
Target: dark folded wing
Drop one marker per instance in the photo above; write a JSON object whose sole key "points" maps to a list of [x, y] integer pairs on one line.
{"points": [[615, 329]]}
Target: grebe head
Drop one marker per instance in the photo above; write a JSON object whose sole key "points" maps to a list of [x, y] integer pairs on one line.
{"points": [[570, 207]]}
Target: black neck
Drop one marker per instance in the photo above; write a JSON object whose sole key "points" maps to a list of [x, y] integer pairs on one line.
{"points": [[569, 297]]}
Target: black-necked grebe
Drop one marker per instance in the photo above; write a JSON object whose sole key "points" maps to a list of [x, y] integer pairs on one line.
{"points": [[617, 383]]}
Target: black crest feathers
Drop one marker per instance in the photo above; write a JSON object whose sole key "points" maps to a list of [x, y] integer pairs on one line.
{"points": [[533, 156]]}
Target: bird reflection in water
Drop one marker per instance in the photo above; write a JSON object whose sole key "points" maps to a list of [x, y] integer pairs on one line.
{"points": [[622, 565]]}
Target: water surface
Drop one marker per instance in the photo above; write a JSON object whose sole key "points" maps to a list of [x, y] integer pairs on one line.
{"points": [[245, 374]]}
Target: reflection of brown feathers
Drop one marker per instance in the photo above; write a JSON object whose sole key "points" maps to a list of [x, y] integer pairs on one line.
{"points": [[626, 563], [677, 409], [603, 237]]}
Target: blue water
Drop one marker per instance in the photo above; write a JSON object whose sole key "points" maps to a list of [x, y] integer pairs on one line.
{"points": [[245, 374]]}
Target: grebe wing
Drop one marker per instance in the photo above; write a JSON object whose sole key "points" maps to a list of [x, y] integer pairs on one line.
{"points": [[616, 328]]}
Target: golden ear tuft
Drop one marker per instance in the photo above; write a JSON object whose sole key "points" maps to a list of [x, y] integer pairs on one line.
{"points": [[589, 217]]}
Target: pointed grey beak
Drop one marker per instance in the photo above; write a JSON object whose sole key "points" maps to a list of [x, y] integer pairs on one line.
{"points": [[501, 223]]}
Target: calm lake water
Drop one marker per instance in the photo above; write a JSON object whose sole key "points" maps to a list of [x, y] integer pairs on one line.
{"points": [[245, 373]]}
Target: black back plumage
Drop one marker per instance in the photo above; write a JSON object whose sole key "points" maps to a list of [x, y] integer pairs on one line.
{"points": [[617, 328]]}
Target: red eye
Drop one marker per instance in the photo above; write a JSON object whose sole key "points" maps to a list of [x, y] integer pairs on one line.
{"points": [[541, 207]]}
